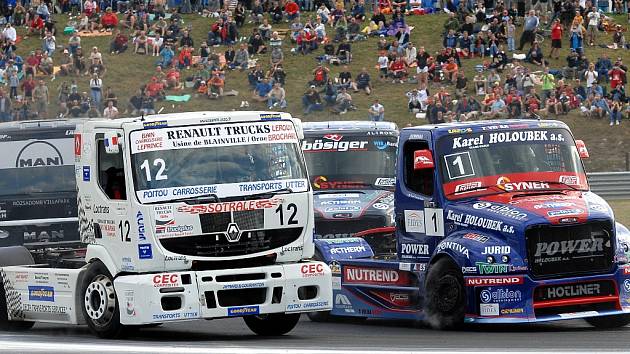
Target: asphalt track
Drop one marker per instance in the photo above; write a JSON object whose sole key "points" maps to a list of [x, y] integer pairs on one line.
{"points": [[231, 335]]}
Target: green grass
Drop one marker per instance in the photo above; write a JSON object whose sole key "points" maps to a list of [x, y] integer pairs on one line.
{"points": [[126, 72], [622, 211]]}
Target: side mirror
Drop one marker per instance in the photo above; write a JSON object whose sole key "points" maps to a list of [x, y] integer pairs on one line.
{"points": [[422, 159], [582, 149], [111, 143]]}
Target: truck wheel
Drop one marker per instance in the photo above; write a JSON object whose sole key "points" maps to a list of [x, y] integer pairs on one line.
{"points": [[100, 306], [11, 256], [607, 322], [274, 324], [445, 295]]}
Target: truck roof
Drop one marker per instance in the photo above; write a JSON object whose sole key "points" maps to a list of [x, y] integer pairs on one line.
{"points": [[40, 124], [358, 126], [192, 118], [483, 125]]}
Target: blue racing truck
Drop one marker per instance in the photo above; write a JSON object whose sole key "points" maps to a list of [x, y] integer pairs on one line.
{"points": [[495, 223]]}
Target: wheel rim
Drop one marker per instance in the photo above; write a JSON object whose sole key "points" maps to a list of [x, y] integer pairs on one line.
{"points": [[448, 294], [100, 300]]}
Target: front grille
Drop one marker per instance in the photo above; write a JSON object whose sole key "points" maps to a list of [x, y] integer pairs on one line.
{"points": [[217, 245], [557, 251], [250, 220], [333, 228], [246, 220], [214, 222]]}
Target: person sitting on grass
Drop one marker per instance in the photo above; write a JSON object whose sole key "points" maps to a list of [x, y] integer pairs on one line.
{"points": [[216, 85], [109, 21], [311, 101], [262, 90], [166, 56], [277, 97], [173, 78], [141, 43], [185, 57]]}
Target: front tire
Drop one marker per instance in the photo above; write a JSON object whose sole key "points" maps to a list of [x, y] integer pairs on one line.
{"points": [[99, 304], [445, 300], [608, 322], [274, 324]]}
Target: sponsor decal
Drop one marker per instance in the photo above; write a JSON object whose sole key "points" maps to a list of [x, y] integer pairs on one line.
{"points": [[380, 206], [414, 221], [155, 125], [382, 144], [626, 270], [504, 137], [165, 280], [86, 173], [385, 182], [569, 247], [422, 159], [342, 302], [491, 281], [100, 209], [342, 209], [225, 207], [77, 145], [312, 270], [564, 212], [148, 141], [307, 306], [468, 270], [578, 314], [348, 250], [570, 180], [175, 315], [52, 309], [489, 309], [176, 259], [597, 207], [626, 285], [41, 293], [319, 145], [145, 251], [127, 264], [140, 222], [476, 237], [569, 291], [460, 130], [322, 182], [44, 236], [270, 116], [360, 275], [243, 286], [505, 184], [496, 250], [340, 202], [466, 187], [411, 250], [466, 220], [130, 301], [553, 205], [500, 296], [502, 210], [338, 196], [243, 311], [39, 154], [452, 246], [515, 311], [492, 268]]}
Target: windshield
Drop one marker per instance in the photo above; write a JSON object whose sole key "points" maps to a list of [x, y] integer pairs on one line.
{"points": [[511, 161], [37, 166], [218, 160], [337, 161]]}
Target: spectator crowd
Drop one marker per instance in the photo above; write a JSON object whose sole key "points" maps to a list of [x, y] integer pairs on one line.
{"points": [[512, 76]]}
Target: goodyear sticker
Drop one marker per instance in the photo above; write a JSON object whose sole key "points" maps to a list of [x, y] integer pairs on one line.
{"points": [[155, 125], [41, 293], [270, 116], [243, 311]]}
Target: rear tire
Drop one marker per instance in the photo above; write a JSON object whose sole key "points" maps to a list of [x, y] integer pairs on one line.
{"points": [[99, 303], [608, 322], [274, 324], [12, 256], [445, 301]]}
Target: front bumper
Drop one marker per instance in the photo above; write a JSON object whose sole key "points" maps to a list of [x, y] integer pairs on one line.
{"points": [[177, 296], [518, 298]]}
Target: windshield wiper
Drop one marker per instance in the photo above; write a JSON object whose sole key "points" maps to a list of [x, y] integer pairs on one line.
{"points": [[267, 195], [199, 199]]}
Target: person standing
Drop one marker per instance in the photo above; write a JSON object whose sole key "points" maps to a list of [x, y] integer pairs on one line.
{"points": [[556, 39], [593, 23], [5, 106], [529, 29], [41, 98], [96, 85], [376, 112]]}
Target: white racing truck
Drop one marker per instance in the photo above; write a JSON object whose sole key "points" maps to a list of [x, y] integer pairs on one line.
{"points": [[187, 216]]}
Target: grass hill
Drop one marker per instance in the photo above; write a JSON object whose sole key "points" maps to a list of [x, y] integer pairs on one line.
{"points": [[127, 71]]}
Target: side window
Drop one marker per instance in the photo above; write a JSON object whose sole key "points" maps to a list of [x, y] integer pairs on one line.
{"points": [[419, 181], [111, 172]]}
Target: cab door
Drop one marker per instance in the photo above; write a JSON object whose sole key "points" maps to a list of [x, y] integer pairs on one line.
{"points": [[419, 215]]}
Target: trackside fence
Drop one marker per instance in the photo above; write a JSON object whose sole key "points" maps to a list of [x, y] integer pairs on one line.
{"points": [[610, 185]]}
